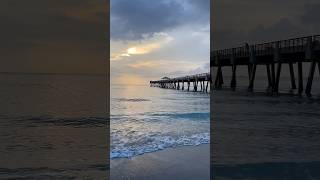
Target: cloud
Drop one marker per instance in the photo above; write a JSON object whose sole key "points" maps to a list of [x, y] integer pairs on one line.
{"points": [[159, 38], [311, 16], [53, 36], [237, 22], [121, 50], [145, 64], [132, 20]]}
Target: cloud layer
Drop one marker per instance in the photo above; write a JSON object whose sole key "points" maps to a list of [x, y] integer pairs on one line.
{"points": [[132, 19], [53, 36], [237, 22], [152, 39]]}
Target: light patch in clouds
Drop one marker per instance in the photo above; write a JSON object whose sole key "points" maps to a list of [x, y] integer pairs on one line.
{"points": [[165, 66], [121, 50], [144, 64], [141, 72], [133, 79]]}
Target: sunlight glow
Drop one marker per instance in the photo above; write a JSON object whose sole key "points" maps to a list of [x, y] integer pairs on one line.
{"points": [[132, 50]]}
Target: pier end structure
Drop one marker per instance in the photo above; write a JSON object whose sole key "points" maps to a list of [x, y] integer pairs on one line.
{"points": [[197, 83]]}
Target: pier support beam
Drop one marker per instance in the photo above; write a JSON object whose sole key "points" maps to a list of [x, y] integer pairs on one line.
{"points": [[269, 76], [300, 78], [252, 77], [276, 84], [293, 80], [195, 85], [233, 83], [273, 76], [310, 77], [208, 84], [219, 79]]}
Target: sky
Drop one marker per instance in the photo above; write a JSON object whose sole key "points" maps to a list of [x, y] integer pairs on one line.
{"points": [[166, 37], [235, 22], [153, 39], [50, 36]]}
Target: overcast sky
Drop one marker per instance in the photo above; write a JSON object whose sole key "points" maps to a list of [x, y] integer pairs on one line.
{"points": [[149, 39], [50, 36], [238, 21], [152, 39]]}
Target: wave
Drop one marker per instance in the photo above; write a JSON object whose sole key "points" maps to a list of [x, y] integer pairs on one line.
{"points": [[196, 115], [131, 99], [159, 143], [38, 121]]}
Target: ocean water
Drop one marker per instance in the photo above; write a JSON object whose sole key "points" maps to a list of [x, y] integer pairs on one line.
{"points": [[263, 136], [147, 119], [53, 126]]}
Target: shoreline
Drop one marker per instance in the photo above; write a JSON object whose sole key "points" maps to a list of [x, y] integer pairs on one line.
{"points": [[187, 162]]}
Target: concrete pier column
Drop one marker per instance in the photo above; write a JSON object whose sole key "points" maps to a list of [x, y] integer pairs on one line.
{"points": [[207, 86], [310, 78], [252, 77], [269, 76], [233, 83], [293, 80], [195, 85], [276, 84], [300, 78]]}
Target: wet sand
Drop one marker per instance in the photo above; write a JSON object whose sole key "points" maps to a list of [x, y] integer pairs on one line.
{"points": [[185, 163]]}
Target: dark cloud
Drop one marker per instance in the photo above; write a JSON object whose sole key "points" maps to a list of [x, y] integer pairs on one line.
{"points": [[235, 22], [311, 16], [131, 19], [53, 36]]}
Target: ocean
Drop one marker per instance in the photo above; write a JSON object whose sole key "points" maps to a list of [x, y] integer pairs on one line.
{"points": [[262, 136], [53, 126], [147, 119]]}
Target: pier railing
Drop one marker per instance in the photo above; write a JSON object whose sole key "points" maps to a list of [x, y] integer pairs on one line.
{"points": [[289, 45]]}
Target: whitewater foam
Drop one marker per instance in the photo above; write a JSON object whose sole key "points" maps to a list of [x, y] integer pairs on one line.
{"points": [[159, 143]]}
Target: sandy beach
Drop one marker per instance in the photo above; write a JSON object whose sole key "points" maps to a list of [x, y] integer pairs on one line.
{"points": [[185, 163]]}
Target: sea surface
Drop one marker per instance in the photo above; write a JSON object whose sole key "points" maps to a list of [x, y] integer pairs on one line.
{"points": [[53, 126], [147, 119], [263, 136]]}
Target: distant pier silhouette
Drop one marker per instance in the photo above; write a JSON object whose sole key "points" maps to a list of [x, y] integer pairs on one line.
{"points": [[272, 55], [197, 82]]}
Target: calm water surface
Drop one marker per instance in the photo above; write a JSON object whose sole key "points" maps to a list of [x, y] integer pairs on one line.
{"points": [[263, 136], [53, 126]]}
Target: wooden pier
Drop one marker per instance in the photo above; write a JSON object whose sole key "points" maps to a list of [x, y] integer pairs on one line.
{"points": [[272, 55], [197, 83]]}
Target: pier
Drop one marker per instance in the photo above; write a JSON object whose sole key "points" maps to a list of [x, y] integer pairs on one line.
{"points": [[197, 83], [273, 55]]}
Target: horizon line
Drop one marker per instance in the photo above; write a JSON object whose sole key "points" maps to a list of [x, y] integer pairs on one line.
{"points": [[42, 73]]}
